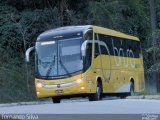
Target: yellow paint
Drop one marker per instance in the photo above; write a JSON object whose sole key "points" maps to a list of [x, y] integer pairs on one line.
{"points": [[113, 77], [110, 32]]}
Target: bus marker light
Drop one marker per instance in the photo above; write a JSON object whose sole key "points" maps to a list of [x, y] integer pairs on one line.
{"points": [[79, 81]]}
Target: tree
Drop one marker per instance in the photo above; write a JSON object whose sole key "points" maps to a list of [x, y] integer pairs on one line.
{"points": [[154, 42]]}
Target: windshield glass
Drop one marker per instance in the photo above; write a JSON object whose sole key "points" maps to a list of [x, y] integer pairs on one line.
{"points": [[59, 57]]}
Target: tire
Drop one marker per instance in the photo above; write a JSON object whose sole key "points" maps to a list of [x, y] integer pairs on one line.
{"points": [[123, 95], [56, 100], [131, 93], [98, 95]]}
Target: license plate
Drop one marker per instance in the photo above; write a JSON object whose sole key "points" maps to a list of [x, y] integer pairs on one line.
{"points": [[59, 91]]}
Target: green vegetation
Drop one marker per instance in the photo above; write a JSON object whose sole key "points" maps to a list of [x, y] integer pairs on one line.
{"points": [[22, 21]]}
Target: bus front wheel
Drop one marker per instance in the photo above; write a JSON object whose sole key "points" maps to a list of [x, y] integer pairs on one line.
{"points": [[56, 100], [96, 96]]}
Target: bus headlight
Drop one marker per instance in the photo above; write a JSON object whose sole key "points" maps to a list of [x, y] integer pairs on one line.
{"points": [[78, 81], [39, 85]]}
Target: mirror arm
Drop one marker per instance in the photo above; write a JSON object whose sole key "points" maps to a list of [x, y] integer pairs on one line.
{"points": [[28, 53], [83, 47]]}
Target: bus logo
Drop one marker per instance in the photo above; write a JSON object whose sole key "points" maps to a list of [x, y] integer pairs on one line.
{"points": [[58, 85]]}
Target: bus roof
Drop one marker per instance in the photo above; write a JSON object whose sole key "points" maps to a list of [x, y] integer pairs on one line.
{"points": [[110, 32], [61, 31], [96, 29], [64, 30]]}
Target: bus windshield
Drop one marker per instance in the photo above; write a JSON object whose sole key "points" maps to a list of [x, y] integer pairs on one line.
{"points": [[59, 57]]}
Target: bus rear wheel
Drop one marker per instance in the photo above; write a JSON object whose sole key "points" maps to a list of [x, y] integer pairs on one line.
{"points": [[56, 100], [131, 93], [96, 96]]}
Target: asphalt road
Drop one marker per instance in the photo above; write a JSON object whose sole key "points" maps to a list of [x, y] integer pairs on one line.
{"points": [[115, 106]]}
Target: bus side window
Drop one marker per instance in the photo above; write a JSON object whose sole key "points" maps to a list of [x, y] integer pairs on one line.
{"points": [[108, 41], [103, 50], [88, 58], [97, 52]]}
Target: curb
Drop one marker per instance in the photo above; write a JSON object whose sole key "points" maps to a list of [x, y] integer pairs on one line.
{"points": [[24, 103], [156, 97]]}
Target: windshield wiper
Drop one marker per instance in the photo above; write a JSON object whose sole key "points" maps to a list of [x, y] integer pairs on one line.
{"points": [[64, 67], [50, 67]]}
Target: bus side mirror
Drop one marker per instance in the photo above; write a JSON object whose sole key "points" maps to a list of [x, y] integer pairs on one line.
{"points": [[83, 48], [28, 53]]}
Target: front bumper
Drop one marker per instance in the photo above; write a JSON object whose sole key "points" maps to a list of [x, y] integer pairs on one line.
{"points": [[60, 90]]}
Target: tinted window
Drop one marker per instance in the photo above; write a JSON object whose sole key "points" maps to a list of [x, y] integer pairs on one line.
{"points": [[108, 41], [97, 52], [88, 58], [103, 50], [120, 46]]}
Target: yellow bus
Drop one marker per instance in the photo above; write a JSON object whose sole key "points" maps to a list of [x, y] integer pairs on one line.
{"points": [[87, 61]]}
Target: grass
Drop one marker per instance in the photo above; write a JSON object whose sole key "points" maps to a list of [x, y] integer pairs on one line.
{"points": [[144, 93]]}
